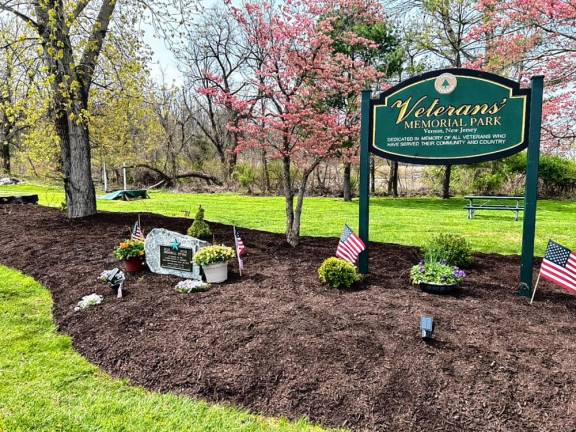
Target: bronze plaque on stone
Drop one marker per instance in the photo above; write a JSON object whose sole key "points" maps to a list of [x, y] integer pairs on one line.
{"points": [[180, 259]]}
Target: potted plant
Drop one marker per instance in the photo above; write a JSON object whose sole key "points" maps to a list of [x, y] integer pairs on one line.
{"points": [[214, 262], [199, 228], [131, 252], [436, 277]]}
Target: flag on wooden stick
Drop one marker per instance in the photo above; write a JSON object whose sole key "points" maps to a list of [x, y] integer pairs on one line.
{"points": [[559, 267], [137, 233], [349, 246], [240, 250]]}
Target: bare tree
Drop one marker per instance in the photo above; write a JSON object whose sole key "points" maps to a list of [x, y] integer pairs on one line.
{"points": [[214, 55], [442, 30]]}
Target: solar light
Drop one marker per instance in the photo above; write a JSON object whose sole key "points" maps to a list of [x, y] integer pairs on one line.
{"points": [[426, 327]]}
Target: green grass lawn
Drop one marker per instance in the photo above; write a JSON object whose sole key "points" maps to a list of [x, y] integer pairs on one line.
{"points": [[46, 386], [409, 221]]}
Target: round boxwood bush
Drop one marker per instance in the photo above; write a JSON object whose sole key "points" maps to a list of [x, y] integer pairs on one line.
{"points": [[451, 249], [338, 273]]}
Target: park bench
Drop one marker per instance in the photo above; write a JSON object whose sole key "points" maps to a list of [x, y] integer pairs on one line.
{"points": [[493, 203]]}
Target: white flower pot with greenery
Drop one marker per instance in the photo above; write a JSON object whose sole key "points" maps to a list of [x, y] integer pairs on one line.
{"points": [[214, 262]]}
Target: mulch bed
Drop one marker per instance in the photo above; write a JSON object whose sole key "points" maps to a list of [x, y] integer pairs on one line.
{"points": [[278, 342]]}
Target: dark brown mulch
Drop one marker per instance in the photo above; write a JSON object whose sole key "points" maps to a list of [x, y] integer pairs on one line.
{"points": [[278, 342]]}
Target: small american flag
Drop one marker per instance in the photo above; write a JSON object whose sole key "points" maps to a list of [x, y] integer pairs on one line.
{"points": [[559, 266], [137, 233], [349, 246], [240, 249]]}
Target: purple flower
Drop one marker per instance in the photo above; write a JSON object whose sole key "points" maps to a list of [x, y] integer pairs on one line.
{"points": [[459, 273]]}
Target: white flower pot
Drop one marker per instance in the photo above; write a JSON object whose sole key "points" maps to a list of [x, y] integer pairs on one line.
{"points": [[216, 273]]}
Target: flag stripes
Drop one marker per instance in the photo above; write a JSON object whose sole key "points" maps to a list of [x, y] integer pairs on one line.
{"points": [[565, 277], [137, 233], [559, 266], [349, 246], [240, 250]]}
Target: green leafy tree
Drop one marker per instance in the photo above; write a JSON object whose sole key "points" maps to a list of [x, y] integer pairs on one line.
{"points": [[385, 54]]}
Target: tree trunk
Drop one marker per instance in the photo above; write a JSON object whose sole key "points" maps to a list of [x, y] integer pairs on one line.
{"points": [[71, 77], [6, 156], [78, 184], [446, 182], [267, 186], [293, 215], [104, 177], [292, 236], [393, 179], [231, 159], [346, 186]]}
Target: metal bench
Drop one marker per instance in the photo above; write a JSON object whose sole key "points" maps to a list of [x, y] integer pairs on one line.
{"points": [[485, 204]]}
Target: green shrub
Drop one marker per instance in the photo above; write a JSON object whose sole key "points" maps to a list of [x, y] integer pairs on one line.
{"points": [[488, 178], [199, 228], [450, 248], [338, 273], [245, 175], [213, 255], [557, 175]]}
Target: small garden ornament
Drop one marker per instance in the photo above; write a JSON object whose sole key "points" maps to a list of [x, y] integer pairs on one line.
{"points": [[88, 301], [131, 252], [214, 262], [115, 278]]}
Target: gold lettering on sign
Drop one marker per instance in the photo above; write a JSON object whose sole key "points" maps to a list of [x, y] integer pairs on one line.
{"points": [[420, 108]]}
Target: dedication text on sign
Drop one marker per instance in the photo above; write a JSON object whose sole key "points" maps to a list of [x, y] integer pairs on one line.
{"points": [[450, 116]]}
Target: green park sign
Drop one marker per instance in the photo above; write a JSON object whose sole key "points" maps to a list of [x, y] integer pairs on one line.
{"points": [[450, 116], [454, 116]]}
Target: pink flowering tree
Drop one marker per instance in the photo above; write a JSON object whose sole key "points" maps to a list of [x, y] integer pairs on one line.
{"points": [[296, 72], [529, 37]]}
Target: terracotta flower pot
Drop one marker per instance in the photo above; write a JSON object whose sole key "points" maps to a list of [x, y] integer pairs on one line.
{"points": [[133, 265], [434, 288]]}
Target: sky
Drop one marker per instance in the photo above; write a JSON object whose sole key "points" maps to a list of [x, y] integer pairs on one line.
{"points": [[162, 59]]}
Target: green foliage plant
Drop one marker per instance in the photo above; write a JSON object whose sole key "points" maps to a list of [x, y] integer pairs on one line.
{"points": [[199, 228], [338, 273], [246, 176], [213, 255], [129, 249], [436, 272], [451, 248]]}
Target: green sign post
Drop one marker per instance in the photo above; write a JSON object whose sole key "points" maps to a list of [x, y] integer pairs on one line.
{"points": [[454, 116]]}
